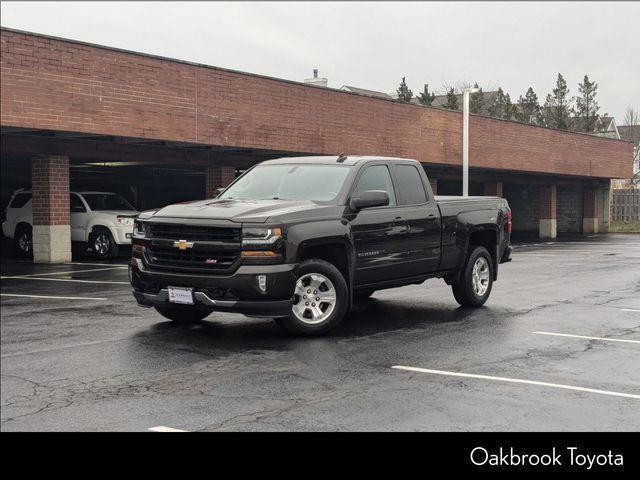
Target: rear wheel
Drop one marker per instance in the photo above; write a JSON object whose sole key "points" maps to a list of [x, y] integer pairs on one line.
{"points": [[476, 281], [23, 240], [103, 244], [182, 314], [320, 299]]}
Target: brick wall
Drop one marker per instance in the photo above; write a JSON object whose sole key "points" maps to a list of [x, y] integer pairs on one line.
{"points": [[569, 211], [62, 85], [50, 185]]}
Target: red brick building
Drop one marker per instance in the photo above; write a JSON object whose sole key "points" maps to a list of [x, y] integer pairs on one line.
{"points": [[71, 105]]}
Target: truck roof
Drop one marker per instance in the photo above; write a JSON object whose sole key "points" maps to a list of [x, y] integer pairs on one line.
{"points": [[331, 160]]}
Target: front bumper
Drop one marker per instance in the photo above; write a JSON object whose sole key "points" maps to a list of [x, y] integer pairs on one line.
{"points": [[122, 235], [237, 292]]}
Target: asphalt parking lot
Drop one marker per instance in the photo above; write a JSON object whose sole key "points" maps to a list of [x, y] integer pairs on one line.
{"points": [[556, 348]]}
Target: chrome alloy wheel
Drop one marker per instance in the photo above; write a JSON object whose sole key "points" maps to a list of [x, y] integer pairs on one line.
{"points": [[24, 242], [480, 276], [102, 244], [314, 298]]}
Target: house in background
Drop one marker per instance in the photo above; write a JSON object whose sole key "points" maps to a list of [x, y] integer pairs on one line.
{"points": [[631, 133]]}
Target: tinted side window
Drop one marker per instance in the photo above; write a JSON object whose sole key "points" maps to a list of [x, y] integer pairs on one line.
{"points": [[76, 204], [410, 184], [377, 178], [20, 200]]}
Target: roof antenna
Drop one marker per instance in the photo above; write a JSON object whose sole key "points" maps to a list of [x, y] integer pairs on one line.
{"points": [[341, 158]]}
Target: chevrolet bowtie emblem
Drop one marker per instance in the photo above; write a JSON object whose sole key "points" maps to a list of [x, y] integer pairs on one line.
{"points": [[182, 244]]}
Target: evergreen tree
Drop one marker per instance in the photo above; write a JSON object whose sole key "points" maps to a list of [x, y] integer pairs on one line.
{"points": [[476, 101], [452, 100], [404, 92], [529, 110], [558, 105], [426, 97], [586, 105], [502, 106]]}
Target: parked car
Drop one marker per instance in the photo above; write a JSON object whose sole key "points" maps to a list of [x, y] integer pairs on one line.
{"points": [[297, 239], [100, 221]]}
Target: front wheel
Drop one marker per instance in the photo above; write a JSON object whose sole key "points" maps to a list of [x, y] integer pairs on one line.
{"points": [[182, 314], [320, 299], [103, 244], [476, 281], [23, 240]]}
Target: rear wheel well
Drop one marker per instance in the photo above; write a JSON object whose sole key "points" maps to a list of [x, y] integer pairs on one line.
{"points": [[334, 253], [489, 240], [20, 226]]}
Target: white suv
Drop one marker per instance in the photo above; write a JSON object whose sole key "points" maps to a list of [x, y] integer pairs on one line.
{"points": [[100, 221]]}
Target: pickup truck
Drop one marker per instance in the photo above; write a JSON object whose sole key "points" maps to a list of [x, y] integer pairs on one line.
{"points": [[300, 239]]}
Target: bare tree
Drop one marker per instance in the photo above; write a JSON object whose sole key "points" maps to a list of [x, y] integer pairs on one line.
{"points": [[631, 116]]}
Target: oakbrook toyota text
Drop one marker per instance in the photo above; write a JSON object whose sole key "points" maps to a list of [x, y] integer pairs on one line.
{"points": [[572, 457], [299, 239]]}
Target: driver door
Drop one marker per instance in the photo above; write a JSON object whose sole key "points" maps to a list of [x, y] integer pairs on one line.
{"points": [[379, 232]]}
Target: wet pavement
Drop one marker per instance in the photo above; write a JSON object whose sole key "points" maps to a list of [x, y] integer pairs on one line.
{"points": [[91, 359]]}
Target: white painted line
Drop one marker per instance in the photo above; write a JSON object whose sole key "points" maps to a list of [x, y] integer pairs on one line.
{"points": [[515, 380], [165, 429], [72, 272], [95, 264], [588, 338], [64, 280], [48, 296], [629, 310]]}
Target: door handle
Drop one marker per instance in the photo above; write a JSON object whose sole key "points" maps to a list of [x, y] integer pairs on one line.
{"points": [[399, 220], [432, 216]]}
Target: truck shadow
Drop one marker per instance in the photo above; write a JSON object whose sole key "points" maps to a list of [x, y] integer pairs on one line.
{"points": [[222, 334]]}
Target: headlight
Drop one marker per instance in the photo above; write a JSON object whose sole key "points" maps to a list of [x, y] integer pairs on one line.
{"points": [[127, 221], [260, 236], [140, 229]]}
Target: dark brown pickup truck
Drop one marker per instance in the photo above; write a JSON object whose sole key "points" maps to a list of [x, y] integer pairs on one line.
{"points": [[298, 239]]}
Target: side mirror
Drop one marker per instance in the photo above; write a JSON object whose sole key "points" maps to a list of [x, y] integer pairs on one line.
{"points": [[368, 199], [219, 191]]}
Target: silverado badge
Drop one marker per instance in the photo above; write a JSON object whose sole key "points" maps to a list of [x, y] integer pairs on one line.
{"points": [[182, 244]]}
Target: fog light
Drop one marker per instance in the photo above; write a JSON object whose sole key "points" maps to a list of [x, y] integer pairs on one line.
{"points": [[262, 283]]}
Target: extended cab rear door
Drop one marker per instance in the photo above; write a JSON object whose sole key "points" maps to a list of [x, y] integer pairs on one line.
{"points": [[422, 243]]}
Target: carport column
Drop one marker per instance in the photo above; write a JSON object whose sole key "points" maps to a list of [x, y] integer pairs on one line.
{"points": [[218, 176], [590, 220], [493, 189], [434, 185], [548, 225], [51, 230]]}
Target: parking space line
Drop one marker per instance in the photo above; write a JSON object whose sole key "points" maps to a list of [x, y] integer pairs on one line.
{"points": [[588, 338], [49, 296], [68, 272], [64, 280], [629, 310], [95, 264], [165, 429], [516, 380]]}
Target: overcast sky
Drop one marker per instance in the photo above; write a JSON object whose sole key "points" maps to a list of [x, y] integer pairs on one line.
{"points": [[373, 44]]}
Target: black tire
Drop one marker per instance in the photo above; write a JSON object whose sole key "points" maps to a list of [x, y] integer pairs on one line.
{"points": [[464, 291], [183, 314], [295, 325], [23, 240], [102, 244]]}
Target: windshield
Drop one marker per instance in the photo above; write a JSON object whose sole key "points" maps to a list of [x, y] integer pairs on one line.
{"points": [[107, 201], [318, 183]]}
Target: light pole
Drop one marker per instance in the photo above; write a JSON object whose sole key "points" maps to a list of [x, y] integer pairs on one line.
{"points": [[465, 139]]}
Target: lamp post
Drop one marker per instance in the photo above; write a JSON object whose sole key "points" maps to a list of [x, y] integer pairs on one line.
{"points": [[465, 139]]}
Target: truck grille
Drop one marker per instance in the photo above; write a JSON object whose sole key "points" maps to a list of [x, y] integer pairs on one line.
{"points": [[193, 232], [171, 259], [214, 249]]}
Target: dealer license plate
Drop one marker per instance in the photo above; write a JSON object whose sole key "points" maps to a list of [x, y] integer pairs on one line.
{"points": [[180, 295]]}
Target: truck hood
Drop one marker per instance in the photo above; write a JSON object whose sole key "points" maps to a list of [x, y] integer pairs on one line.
{"points": [[236, 210]]}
